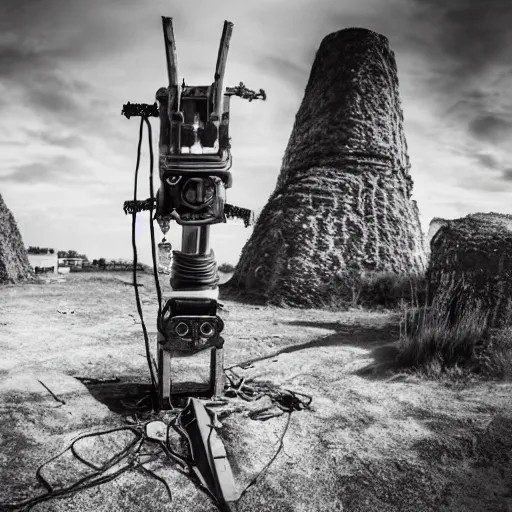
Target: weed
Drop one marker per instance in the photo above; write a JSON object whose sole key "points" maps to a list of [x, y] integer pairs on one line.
{"points": [[434, 341], [226, 267], [374, 290]]}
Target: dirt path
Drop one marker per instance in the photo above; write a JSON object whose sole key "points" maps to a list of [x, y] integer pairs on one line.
{"points": [[372, 440]]}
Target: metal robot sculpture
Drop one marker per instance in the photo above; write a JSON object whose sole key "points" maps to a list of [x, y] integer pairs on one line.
{"points": [[194, 168]]}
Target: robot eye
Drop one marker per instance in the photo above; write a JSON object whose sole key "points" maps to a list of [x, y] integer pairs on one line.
{"points": [[207, 329], [181, 329]]}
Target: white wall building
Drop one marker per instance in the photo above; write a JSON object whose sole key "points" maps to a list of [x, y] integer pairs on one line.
{"points": [[44, 261], [71, 262]]}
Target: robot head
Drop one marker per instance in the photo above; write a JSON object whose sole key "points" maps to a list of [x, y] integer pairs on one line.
{"points": [[195, 156]]}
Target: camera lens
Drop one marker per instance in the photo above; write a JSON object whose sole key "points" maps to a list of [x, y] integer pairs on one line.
{"points": [[207, 329], [181, 329]]}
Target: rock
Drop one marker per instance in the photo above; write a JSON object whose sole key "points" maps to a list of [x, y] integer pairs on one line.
{"points": [[14, 264], [471, 267], [343, 196]]}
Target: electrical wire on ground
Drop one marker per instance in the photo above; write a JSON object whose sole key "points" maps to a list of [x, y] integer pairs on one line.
{"points": [[132, 452], [255, 480], [286, 400]]}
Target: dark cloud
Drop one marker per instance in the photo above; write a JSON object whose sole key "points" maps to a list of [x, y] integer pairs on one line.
{"points": [[57, 169], [491, 128], [482, 183], [78, 30], [42, 40], [15, 58], [507, 174], [47, 46], [70, 29], [53, 100], [471, 34], [36, 81], [457, 40], [55, 139], [288, 70], [487, 161], [31, 173], [465, 103]]}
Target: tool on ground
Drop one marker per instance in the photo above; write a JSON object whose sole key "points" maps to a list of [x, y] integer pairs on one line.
{"points": [[211, 463]]}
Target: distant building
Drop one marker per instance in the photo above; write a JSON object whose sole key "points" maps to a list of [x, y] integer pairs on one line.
{"points": [[43, 262], [71, 262]]}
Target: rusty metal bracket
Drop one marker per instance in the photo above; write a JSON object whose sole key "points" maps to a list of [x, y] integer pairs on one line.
{"points": [[140, 109]]}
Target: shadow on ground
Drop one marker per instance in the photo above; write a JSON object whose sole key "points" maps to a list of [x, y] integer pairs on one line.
{"points": [[121, 395], [126, 396], [381, 341]]}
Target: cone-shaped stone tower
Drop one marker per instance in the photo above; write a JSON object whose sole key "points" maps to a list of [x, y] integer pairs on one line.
{"points": [[14, 264], [343, 196]]}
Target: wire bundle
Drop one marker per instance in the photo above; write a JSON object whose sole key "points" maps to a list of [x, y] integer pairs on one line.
{"points": [[131, 455], [193, 271], [154, 390]]}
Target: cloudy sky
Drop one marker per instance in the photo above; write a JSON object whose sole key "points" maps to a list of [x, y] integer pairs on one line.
{"points": [[67, 156]]}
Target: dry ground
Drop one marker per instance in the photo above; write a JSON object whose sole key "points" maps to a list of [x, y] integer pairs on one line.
{"points": [[373, 440]]}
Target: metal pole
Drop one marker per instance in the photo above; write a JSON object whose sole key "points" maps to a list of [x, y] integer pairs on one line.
{"points": [[195, 239]]}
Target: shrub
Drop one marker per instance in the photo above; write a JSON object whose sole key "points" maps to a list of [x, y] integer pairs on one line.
{"points": [[434, 344], [226, 268], [493, 358], [352, 287], [347, 287], [435, 340], [390, 290], [39, 250], [71, 254]]}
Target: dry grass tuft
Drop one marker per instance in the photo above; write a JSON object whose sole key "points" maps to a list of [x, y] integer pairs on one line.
{"points": [[434, 344], [375, 290]]}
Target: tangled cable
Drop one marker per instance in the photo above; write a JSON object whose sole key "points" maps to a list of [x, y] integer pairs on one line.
{"points": [[197, 271], [130, 457], [283, 400], [286, 400], [131, 453]]}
